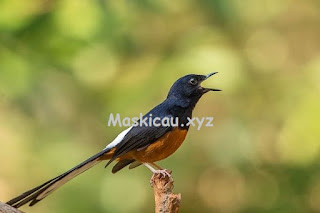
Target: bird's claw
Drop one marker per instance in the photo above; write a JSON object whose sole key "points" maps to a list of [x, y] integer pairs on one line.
{"points": [[163, 173]]}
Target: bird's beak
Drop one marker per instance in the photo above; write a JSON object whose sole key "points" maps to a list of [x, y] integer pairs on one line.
{"points": [[205, 90]]}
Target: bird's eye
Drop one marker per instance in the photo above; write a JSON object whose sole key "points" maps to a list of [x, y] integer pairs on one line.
{"points": [[193, 81]]}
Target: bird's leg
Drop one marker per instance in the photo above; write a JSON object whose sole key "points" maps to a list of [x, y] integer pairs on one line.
{"points": [[157, 166], [160, 168], [161, 171]]}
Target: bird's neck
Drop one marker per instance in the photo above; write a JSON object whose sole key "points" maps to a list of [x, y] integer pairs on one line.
{"points": [[181, 107], [182, 103]]}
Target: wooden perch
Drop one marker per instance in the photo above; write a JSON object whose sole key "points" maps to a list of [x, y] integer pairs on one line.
{"points": [[4, 208], [165, 200]]}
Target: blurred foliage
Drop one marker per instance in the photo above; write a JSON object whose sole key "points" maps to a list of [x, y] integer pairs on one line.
{"points": [[65, 65]]}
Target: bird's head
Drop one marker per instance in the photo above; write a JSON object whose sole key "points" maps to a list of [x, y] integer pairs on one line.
{"points": [[189, 88]]}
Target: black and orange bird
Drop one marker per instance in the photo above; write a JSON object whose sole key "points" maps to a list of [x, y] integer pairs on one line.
{"points": [[140, 144]]}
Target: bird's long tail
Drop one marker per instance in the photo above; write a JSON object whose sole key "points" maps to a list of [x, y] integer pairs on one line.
{"points": [[38, 193]]}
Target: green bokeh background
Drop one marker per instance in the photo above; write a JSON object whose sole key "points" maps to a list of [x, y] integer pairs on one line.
{"points": [[66, 65]]}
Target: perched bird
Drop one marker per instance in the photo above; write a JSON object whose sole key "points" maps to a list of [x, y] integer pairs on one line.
{"points": [[139, 144]]}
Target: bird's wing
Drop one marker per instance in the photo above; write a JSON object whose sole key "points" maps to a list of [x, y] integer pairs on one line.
{"points": [[139, 137]]}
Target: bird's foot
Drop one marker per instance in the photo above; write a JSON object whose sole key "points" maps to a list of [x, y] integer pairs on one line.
{"points": [[163, 174]]}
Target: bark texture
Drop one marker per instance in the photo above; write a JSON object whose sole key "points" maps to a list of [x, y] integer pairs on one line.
{"points": [[165, 200], [4, 208]]}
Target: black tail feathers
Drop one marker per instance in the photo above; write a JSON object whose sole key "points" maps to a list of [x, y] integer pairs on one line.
{"points": [[38, 193]]}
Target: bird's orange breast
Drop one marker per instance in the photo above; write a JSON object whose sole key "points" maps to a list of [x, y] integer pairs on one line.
{"points": [[160, 149]]}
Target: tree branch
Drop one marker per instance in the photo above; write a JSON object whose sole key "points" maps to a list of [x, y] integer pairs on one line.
{"points": [[165, 200], [4, 208]]}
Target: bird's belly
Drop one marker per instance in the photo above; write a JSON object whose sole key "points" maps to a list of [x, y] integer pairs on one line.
{"points": [[162, 148]]}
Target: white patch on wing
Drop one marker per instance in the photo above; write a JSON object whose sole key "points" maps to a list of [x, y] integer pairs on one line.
{"points": [[118, 139]]}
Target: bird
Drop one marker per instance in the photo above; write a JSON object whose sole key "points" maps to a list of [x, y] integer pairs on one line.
{"points": [[140, 144]]}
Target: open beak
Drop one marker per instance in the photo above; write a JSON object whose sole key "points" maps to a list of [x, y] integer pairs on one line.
{"points": [[205, 90]]}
